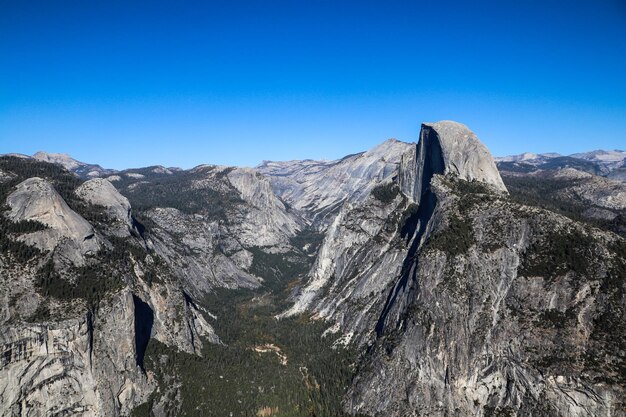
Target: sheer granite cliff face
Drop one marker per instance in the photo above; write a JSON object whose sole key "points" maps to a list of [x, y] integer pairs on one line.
{"points": [[448, 148], [318, 189], [495, 319], [92, 364], [267, 223], [467, 303], [209, 220], [445, 148]]}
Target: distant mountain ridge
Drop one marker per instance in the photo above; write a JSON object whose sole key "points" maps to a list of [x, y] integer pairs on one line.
{"points": [[598, 155], [605, 161], [82, 169], [597, 162]]}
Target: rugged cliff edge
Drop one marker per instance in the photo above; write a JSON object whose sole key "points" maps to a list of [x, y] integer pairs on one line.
{"points": [[446, 147], [80, 299], [466, 302]]}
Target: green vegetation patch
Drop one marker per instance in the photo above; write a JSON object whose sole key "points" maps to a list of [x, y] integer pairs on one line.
{"points": [[308, 240], [553, 318], [305, 376], [103, 273], [277, 269], [610, 325], [455, 239], [386, 193], [544, 193], [90, 283], [214, 199], [280, 269], [499, 411], [556, 253], [9, 244]]}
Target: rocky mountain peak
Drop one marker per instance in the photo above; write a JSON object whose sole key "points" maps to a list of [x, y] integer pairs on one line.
{"points": [[101, 192], [463, 154], [320, 188], [58, 158], [446, 147], [82, 169], [389, 149], [450, 296], [600, 155]]}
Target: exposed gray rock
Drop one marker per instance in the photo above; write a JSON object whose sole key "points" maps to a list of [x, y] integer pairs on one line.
{"points": [[608, 160], [444, 148], [619, 174], [91, 363], [528, 157], [5, 176], [62, 159], [473, 333], [599, 162], [67, 232], [439, 292], [199, 251], [81, 169], [83, 366], [599, 191], [460, 300], [319, 188], [101, 192], [267, 223], [464, 156]]}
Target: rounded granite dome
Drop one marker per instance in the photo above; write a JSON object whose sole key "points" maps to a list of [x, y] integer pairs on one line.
{"points": [[463, 154]]}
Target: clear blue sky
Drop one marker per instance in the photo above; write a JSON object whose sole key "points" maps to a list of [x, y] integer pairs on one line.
{"points": [[124, 83]]}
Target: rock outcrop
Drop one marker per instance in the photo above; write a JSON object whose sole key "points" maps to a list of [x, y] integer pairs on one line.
{"points": [[84, 366], [447, 147], [318, 189], [200, 252], [267, 222], [73, 335], [490, 321], [444, 148], [599, 162], [81, 169], [459, 300], [72, 237], [100, 192]]}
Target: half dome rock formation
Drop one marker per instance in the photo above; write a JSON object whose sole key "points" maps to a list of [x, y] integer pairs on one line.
{"points": [[35, 199], [459, 298], [447, 147]]}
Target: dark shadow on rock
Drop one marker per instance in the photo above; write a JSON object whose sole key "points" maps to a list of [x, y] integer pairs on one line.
{"points": [[144, 319], [429, 151]]}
